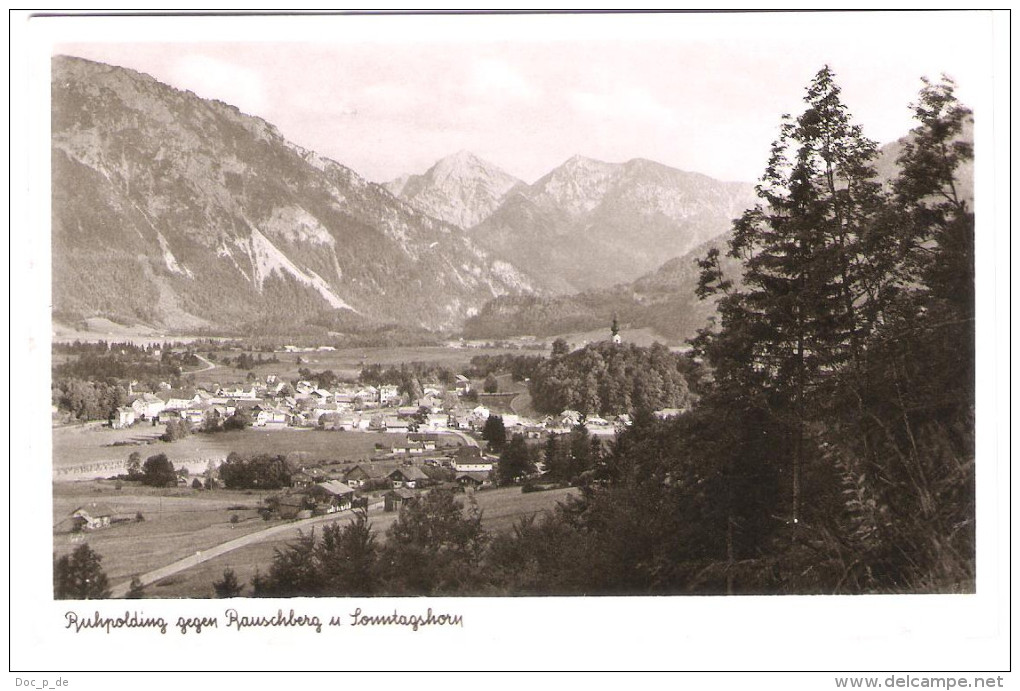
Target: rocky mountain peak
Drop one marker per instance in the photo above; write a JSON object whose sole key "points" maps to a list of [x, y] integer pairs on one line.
{"points": [[461, 189]]}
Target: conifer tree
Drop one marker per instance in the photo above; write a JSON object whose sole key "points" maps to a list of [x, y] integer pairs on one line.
{"points": [[813, 272]]}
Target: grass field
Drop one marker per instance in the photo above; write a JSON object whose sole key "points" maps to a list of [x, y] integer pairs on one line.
{"points": [[178, 522], [501, 508], [91, 444], [347, 363]]}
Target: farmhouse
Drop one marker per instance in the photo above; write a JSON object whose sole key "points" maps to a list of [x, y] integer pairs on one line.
{"points": [[469, 459], [408, 476], [91, 516], [364, 473], [334, 494]]}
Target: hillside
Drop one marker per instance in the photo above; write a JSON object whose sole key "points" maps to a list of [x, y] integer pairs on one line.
{"points": [[183, 213]]}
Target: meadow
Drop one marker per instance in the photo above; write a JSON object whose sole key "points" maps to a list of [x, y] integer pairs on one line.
{"points": [[501, 509], [347, 363], [76, 445]]}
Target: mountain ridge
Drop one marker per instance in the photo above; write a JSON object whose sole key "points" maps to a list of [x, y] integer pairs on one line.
{"points": [[214, 219]]}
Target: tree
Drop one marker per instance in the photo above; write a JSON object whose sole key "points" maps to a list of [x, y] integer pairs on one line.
{"points": [[348, 557], [816, 262], [494, 432], [176, 429], [80, 576], [294, 572], [433, 547], [228, 586], [239, 420], [158, 471], [560, 347], [491, 385], [515, 462], [134, 465]]}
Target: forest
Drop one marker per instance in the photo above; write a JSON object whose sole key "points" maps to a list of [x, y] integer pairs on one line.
{"points": [[829, 442]]}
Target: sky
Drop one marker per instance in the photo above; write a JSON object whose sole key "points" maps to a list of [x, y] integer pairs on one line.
{"points": [[391, 95]]}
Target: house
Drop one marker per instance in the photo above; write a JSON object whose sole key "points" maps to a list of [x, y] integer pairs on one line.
{"points": [[437, 421], [334, 494], [473, 479], [667, 413], [570, 418], [389, 393], [456, 422], [91, 517], [428, 441], [302, 480], [178, 399], [397, 425], [395, 498], [147, 406], [125, 417], [408, 476], [469, 459], [462, 383], [364, 473]]}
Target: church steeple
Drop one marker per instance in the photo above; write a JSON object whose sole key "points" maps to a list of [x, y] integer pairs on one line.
{"points": [[615, 329]]}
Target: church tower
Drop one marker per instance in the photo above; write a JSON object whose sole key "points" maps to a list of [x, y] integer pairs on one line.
{"points": [[615, 329]]}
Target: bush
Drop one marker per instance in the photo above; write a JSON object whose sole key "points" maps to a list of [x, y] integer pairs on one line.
{"points": [[139, 517], [235, 518]]}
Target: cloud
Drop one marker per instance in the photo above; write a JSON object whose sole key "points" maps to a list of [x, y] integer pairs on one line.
{"points": [[496, 78], [213, 78]]}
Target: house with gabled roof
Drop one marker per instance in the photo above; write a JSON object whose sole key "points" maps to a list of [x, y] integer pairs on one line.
{"points": [[363, 473], [91, 516], [148, 406], [408, 476], [333, 495], [474, 479]]}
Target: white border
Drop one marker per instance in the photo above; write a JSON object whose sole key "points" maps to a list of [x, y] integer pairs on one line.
{"points": [[782, 633]]}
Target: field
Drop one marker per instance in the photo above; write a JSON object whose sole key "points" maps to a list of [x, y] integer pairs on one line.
{"points": [[76, 445], [347, 363], [177, 522], [193, 521]]}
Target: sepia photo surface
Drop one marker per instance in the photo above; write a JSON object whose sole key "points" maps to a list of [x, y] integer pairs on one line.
{"points": [[462, 324]]}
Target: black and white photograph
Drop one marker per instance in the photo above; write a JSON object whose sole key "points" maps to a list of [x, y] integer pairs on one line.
{"points": [[430, 320]]}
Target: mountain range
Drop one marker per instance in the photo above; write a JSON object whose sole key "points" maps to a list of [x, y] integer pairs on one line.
{"points": [[184, 213], [663, 300], [587, 223]]}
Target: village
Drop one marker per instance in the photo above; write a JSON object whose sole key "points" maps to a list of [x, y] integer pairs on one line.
{"points": [[436, 440]]}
